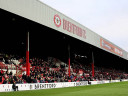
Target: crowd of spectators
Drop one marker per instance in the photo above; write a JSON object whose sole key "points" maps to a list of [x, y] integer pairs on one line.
{"points": [[54, 70]]}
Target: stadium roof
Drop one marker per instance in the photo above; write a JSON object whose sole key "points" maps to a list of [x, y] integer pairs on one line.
{"points": [[41, 13]]}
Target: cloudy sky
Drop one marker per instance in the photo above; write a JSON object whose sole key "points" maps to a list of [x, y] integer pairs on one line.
{"points": [[108, 18]]}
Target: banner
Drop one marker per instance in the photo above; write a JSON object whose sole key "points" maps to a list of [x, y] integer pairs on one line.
{"points": [[108, 46], [36, 86]]}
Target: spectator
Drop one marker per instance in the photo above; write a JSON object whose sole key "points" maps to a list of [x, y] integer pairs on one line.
{"points": [[5, 81], [42, 80], [35, 80], [11, 73], [0, 78], [15, 88], [15, 78]]}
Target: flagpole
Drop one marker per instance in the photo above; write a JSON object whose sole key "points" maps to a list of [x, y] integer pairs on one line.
{"points": [[27, 57]]}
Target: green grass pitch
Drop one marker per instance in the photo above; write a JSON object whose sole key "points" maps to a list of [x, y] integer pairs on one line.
{"points": [[111, 89]]}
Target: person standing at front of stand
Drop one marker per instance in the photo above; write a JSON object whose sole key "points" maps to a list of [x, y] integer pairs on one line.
{"points": [[15, 88]]}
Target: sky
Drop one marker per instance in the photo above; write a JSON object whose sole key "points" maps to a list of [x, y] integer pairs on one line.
{"points": [[108, 18]]}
